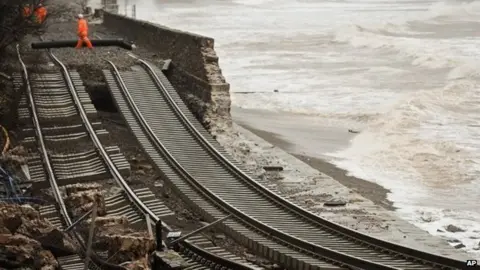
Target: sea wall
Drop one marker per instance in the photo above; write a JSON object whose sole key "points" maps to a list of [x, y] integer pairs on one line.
{"points": [[194, 70]]}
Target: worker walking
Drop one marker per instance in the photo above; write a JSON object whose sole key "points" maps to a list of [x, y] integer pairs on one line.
{"points": [[82, 33], [40, 14]]}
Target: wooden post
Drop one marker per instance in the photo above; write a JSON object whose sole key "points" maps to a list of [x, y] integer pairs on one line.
{"points": [[90, 236], [149, 226]]}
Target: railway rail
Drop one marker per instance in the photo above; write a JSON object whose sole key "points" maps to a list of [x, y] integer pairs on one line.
{"points": [[57, 96], [199, 170]]}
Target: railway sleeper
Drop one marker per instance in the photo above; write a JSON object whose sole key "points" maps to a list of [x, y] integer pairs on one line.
{"points": [[70, 138], [59, 130], [71, 262], [50, 213]]}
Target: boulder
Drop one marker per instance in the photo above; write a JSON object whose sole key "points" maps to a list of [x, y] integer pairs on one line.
{"points": [[82, 201], [21, 251], [128, 247], [168, 259]]}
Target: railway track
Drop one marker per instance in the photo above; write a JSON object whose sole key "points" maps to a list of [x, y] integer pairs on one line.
{"points": [[202, 172], [61, 113]]}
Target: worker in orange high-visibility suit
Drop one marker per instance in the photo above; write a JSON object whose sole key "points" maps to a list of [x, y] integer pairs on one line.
{"points": [[82, 33], [27, 11], [40, 13]]}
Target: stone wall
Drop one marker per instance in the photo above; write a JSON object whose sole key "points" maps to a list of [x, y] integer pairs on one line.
{"points": [[194, 70]]}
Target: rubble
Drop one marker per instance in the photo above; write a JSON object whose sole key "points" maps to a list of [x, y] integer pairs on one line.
{"points": [[127, 247], [20, 251], [25, 220], [82, 187], [80, 202], [16, 156], [168, 259], [141, 264], [109, 221]]}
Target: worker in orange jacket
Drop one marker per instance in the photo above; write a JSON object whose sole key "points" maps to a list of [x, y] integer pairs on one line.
{"points": [[26, 11], [82, 33], [40, 13]]}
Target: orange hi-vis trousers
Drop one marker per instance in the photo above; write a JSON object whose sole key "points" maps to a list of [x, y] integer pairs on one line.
{"points": [[83, 39]]}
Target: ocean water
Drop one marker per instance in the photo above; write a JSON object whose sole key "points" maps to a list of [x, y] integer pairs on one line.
{"points": [[405, 73]]}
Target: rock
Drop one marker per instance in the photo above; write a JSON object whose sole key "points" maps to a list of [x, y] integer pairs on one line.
{"points": [[141, 264], [108, 221], [128, 247], [21, 251], [169, 259], [453, 241], [454, 229], [250, 257], [50, 237], [58, 242], [15, 155], [459, 245], [25, 220], [219, 236], [81, 202], [13, 223], [335, 202]]}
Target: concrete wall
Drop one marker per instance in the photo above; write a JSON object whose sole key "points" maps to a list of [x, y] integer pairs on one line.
{"points": [[194, 70]]}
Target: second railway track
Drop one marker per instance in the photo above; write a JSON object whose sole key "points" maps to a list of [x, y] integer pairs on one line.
{"points": [[198, 168], [62, 115]]}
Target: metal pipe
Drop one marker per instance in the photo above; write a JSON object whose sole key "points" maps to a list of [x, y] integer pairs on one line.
{"points": [[198, 230], [90, 236], [78, 220], [72, 43]]}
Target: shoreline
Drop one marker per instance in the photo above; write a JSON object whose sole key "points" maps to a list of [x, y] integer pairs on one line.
{"points": [[367, 189]]}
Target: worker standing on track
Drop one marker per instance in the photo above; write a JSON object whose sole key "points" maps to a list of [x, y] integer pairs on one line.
{"points": [[40, 14], [82, 33]]}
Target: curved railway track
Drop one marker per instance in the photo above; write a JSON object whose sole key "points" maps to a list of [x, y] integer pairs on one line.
{"points": [[201, 171], [57, 91]]}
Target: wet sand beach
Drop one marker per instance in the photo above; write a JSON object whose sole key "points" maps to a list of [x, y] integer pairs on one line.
{"points": [[282, 130]]}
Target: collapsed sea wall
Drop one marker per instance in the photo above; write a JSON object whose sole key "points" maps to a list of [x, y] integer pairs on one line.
{"points": [[194, 70]]}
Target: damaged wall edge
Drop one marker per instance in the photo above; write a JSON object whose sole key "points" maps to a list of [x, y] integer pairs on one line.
{"points": [[194, 70]]}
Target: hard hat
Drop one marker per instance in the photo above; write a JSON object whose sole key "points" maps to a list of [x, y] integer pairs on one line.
{"points": [[80, 16]]}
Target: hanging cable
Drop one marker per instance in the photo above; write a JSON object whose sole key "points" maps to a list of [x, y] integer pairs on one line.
{"points": [[7, 140]]}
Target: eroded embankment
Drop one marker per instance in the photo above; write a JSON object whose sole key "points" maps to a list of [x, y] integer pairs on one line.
{"points": [[194, 70]]}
